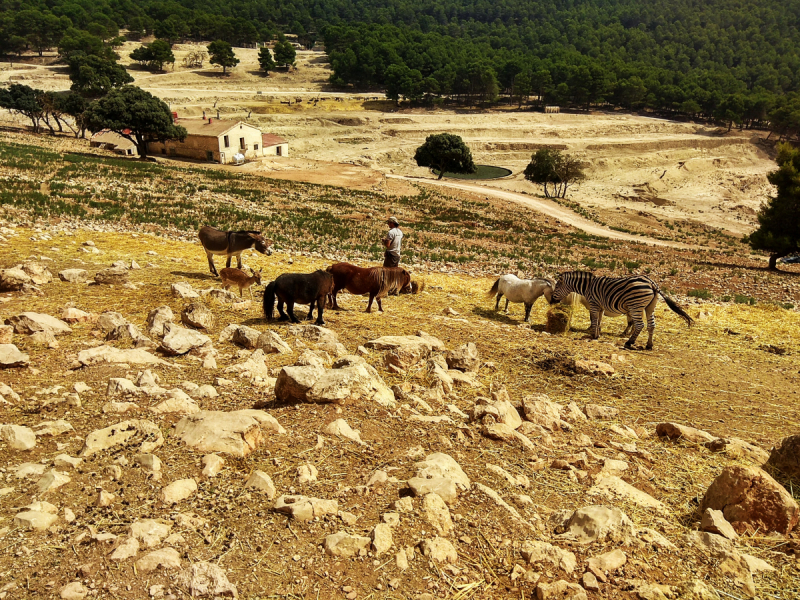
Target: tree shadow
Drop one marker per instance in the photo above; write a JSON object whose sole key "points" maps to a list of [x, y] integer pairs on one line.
{"points": [[499, 316], [213, 74], [758, 268]]}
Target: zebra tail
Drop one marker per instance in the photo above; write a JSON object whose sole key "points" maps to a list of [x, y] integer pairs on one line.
{"points": [[491, 293], [676, 309]]}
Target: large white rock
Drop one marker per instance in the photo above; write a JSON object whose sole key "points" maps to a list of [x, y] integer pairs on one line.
{"points": [[439, 464], [184, 290], [119, 386], [439, 550], [28, 323], [125, 433], [10, 356], [126, 548], [351, 379], [271, 343], [177, 402], [396, 342], [238, 433], [13, 279], [262, 482], [536, 552], [246, 337], [180, 340], [443, 487], [34, 519], [18, 437], [294, 382], [74, 275], [158, 318], [614, 488], [197, 315], [254, 366], [593, 523], [52, 480]]}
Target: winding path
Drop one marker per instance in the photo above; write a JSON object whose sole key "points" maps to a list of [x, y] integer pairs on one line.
{"points": [[551, 209]]}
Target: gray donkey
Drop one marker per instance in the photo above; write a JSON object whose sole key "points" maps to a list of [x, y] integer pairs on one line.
{"points": [[230, 244]]}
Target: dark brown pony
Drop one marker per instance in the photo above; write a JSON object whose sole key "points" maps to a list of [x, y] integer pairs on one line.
{"points": [[378, 282], [298, 288]]}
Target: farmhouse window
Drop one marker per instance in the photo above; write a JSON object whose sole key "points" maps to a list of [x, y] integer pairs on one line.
{"points": [[255, 146], [226, 141], [242, 145]]}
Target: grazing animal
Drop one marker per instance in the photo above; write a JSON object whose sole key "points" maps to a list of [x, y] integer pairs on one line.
{"points": [[298, 288], [237, 277], [378, 282], [633, 296], [521, 290], [230, 244]]}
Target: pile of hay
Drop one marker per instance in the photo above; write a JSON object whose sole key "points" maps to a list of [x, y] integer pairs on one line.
{"points": [[558, 319]]}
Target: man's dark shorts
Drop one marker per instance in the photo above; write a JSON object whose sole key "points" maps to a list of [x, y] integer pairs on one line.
{"points": [[390, 260]]}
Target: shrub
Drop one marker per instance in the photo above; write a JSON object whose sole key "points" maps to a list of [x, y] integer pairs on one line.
{"points": [[702, 294]]}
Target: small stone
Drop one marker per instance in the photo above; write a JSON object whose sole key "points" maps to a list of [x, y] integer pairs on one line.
{"points": [[439, 550], [166, 558], [346, 545], [560, 590], [18, 437], [178, 491], [435, 512], [52, 480], [74, 591], [104, 498], [306, 474], [262, 482], [212, 464], [714, 522], [381, 538], [597, 412], [128, 548], [589, 582], [33, 519]]}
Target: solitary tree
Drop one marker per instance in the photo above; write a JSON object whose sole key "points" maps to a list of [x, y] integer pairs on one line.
{"points": [[285, 53], [154, 55], [265, 60], [445, 152], [550, 167], [221, 53], [136, 115], [779, 217]]}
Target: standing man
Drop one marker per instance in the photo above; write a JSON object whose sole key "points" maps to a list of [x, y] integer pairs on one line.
{"points": [[391, 258]]}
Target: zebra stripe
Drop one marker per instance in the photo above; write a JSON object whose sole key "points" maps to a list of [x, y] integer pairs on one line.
{"points": [[634, 296]]}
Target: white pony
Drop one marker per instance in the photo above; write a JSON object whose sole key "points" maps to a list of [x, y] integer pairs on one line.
{"points": [[521, 290]]}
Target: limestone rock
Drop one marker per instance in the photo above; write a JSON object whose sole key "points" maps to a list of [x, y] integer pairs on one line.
{"points": [[112, 276], [346, 545], [179, 490], [560, 590], [349, 381], [464, 358], [503, 432], [246, 337], [340, 428], [714, 522], [749, 495], [183, 290], [127, 548], [502, 411], [597, 523], [177, 402], [180, 340], [238, 432], [34, 519], [541, 410], [18, 437], [407, 343], [10, 357], [75, 315], [381, 539], [206, 579], [612, 488], [28, 323], [602, 413], [271, 343], [74, 591], [435, 512], [13, 279], [52, 428], [74, 275], [109, 354], [674, 431], [254, 366], [157, 319], [439, 550], [52, 480], [305, 508], [738, 448], [306, 474], [66, 461], [608, 562], [150, 532], [786, 457], [212, 465], [119, 386], [166, 558], [262, 482], [444, 487], [126, 433], [314, 333], [536, 552], [148, 462]]}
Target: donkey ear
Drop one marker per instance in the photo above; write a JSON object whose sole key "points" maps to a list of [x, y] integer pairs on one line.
{"points": [[255, 236]]}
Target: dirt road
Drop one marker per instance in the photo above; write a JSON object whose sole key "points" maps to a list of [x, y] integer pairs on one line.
{"points": [[551, 209]]}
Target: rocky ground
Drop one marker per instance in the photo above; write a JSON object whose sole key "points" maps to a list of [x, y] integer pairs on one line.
{"points": [[161, 440]]}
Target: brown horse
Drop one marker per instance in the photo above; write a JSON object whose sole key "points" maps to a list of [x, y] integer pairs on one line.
{"points": [[378, 282]]}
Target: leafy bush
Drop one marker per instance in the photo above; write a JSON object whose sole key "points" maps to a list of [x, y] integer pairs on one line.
{"points": [[698, 293]]}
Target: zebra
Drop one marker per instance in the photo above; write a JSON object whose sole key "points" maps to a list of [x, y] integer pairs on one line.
{"points": [[615, 296]]}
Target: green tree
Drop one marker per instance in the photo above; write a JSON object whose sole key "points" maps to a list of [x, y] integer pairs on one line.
{"points": [[95, 76], [221, 53], [445, 153], [75, 105], [136, 115], [779, 218], [23, 100], [265, 60], [154, 55], [285, 53], [549, 166]]}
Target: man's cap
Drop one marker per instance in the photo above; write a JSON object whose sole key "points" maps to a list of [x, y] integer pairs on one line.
{"points": [[393, 221]]}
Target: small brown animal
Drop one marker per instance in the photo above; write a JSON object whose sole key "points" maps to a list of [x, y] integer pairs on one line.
{"points": [[237, 277]]}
